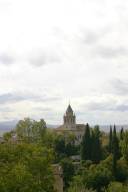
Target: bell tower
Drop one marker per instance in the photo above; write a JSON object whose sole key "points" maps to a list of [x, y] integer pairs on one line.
{"points": [[69, 118]]}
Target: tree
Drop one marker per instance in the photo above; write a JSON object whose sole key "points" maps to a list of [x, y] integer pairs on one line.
{"points": [[31, 129], [68, 171], [110, 140], [117, 187], [124, 146], [25, 168], [122, 133], [78, 186], [59, 147], [82, 188], [24, 128], [122, 170], [8, 135], [97, 177], [86, 145], [71, 149], [96, 151], [115, 145], [39, 129]]}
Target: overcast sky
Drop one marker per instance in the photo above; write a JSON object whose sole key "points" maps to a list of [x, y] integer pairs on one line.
{"points": [[53, 51]]}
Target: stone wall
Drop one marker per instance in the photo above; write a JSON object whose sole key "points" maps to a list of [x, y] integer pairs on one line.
{"points": [[58, 176]]}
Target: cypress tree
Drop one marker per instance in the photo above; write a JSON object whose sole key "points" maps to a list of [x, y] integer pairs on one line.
{"points": [[96, 145], [121, 133], [110, 140], [115, 144], [86, 144]]}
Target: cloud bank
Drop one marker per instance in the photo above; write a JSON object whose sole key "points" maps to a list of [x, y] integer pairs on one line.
{"points": [[55, 51]]}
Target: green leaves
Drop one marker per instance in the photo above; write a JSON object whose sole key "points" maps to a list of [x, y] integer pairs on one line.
{"points": [[117, 187], [25, 168], [91, 145], [124, 145], [86, 144], [97, 177], [68, 171], [31, 129]]}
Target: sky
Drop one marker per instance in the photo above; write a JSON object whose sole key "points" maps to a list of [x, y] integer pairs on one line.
{"points": [[59, 51]]}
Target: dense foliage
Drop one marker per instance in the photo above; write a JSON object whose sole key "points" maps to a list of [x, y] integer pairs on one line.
{"points": [[25, 168], [105, 169], [28, 152]]}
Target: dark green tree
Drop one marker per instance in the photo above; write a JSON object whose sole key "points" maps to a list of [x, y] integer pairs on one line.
{"points": [[71, 149], [68, 171], [86, 145], [60, 147], [96, 151], [97, 177], [110, 140], [115, 145], [122, 133]]}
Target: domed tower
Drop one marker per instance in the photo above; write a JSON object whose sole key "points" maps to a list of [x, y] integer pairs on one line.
{"points": [[69, 118]]}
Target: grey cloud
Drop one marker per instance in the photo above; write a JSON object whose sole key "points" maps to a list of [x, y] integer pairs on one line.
{"points": [[110, 52], [107, 106], [5, 109], [54, 98], [11, 98], [43, 58], [119, 87], [47, 98], [17, 97], [37, 59], [91, 38], [94, 37], [100, 106], [6, 59], [122, 107], [44, 109], [98, 46]]}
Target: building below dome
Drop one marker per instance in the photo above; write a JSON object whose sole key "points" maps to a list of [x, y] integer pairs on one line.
{"points": [[70, 126]]}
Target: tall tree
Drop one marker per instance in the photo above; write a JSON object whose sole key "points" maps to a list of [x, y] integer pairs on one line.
{"points": [[31, 129], [60, 147], [115, 144], [96, 150], [122, 133], [68, 171], [124, 146], [86, 145], [110, 140]]}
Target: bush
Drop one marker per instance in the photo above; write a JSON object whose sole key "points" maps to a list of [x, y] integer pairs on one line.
{"points": [[117, 187]]}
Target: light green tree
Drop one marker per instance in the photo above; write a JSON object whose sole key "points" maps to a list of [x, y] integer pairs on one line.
{"points": [[124, 145], [25, 168], [78, 186], [31, 129], [117, 187]]}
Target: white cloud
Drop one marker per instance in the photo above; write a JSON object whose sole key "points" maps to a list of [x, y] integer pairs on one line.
{"points": [[80, 48]]}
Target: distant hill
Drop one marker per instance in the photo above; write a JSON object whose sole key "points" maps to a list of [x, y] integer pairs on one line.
{"points": [[106, 128], [6, 126], [102, 127], [52, 126]]}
